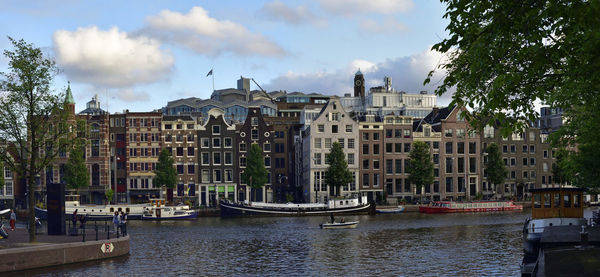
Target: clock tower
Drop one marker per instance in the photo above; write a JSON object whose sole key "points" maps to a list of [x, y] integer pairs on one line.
{"points": [[359, 84]]}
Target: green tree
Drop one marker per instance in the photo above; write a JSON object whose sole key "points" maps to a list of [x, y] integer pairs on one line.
{"points": [[109, 193], [35, 121], [495, 168], [421, 166], [77, 175], [337, 173], [503, 56], [255, 174], [165, 172]]}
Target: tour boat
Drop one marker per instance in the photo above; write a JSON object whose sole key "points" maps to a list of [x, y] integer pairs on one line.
{"points": [[169, 213], [334, 206], [465, 207], [395, 210], [339, 225], [556, 221]]}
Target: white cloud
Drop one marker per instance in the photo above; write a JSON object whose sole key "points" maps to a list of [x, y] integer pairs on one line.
{"points": [[389, 25], [408, 74], [278, 11], [350, 7], [110, 58], [206, 35], [129, 95]]}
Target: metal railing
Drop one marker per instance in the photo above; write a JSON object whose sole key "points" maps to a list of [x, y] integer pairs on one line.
{"points": [[97, 227]]}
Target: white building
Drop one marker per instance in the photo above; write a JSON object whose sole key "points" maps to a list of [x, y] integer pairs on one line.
{"points": [[333, 124]]}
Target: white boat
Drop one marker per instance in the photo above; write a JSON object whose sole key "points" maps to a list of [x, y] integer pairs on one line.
{"points": [[105, 212], [395, 210], [169, 213], [339, 225]]}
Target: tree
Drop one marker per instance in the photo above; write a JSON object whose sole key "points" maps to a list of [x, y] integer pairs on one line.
{"points": [[255, 174], [421, 166], [76, 172], [35, 121], [337, 173], [109, 193], [503, 56], [165, 172], [494, 166]]}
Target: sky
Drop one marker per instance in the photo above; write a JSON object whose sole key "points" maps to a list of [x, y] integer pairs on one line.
{"points": [[139, 55]]}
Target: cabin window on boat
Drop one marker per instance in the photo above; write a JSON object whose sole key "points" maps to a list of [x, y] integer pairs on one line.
{"points": [[112, 210], [576, 201], [567, 200], [546, 200], [556, 200]]}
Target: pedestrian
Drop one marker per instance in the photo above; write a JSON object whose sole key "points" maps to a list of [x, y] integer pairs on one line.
{"points": [[74, 219], [116, 222], [13, 219], [123, 223]]}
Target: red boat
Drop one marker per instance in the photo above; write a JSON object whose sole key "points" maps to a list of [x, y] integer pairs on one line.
{"points": [[469, 207]]}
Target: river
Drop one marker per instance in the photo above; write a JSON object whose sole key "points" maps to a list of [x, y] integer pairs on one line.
{"points": [[409, 244]]}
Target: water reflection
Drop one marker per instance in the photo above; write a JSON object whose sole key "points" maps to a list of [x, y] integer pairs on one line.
{"points": [[408, 244]]}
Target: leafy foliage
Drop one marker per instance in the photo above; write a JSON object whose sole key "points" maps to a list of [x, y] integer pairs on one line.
{"points": [[494, 166], [255, 174], [337, 173], [502, 56], [35, 121], [165, 172], [421, 166], [109, 193], [76, 173]]}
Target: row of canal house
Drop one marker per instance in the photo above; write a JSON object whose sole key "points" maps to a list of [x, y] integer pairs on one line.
{"points": [[209, 150]]}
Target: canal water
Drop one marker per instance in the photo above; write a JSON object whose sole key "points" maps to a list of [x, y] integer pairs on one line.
{"points": [[409, 244]]}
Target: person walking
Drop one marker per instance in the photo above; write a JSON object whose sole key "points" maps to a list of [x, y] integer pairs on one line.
{"points": [[123, 223], [116, 222], [13, 219]]}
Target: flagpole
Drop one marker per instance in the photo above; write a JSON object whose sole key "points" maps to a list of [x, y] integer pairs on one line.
{"points": [[213, 78]]}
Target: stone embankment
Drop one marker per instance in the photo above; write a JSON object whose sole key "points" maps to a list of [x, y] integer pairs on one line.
{"points": [[16, 253]]}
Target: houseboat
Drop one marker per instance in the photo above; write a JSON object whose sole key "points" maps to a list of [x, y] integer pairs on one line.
{"points": [[169, 213], [357, 205], [469, 207], [558, 240]]}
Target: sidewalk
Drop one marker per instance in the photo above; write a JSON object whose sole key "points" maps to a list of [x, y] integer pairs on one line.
{"points": [[20, 238]]}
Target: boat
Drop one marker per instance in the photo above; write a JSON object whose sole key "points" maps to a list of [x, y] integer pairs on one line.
{"points": [[357, 205], [395, 210], [339, 225], [467, 207], [558, 240], [169, 213]]}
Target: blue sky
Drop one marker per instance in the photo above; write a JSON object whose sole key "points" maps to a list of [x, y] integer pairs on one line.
{"points": [[138, 55]]}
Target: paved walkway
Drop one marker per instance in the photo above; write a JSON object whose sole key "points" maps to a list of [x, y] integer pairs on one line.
{"points": [[20, 237]]}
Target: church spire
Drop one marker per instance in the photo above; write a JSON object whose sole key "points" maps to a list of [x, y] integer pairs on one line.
{"points": [[69, 96]]}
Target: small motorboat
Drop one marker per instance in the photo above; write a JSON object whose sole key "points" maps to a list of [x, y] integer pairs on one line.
{"points": [[169, 213], [395, 210], [339, 225]]}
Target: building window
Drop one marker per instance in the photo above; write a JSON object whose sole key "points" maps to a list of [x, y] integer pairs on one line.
{"points": [[228, 158], [448, 133], [267, 147], [375, 136], [254, 121], [317, 158], [334, 129], [317, 142], [350, 158], [449, 148], [398, 163], [179, 169], [216, 142], [365, 163], [365, 149], [341, 142], [242, 161], [267, 161], [350, 143], [190, 151], [191, 168], [472, 147], [254, 134], [327, 143], [95, 148], [205, 143], [217, 176], [449, 184], [216, 129], [227, 143], [205, 158], [179, 151], [407, 147], [216, 158], [365, 136], [348, 128], [242, 147], [448, 165], [460, 133], [320, 128]]}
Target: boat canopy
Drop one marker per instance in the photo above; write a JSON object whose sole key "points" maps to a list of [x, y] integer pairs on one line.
{"points": [[557, 202]]}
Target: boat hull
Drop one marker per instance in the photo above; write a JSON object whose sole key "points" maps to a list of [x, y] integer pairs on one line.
{"points": [[234, 210], [464, 208], [339, 225], [193, 215]]}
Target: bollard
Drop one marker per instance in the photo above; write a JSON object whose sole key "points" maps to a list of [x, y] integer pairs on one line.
{"points": [[96, 229]]}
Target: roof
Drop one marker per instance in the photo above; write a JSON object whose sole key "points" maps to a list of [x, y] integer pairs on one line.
{"points": [[69, 96], [567, 189], [177, 117]]}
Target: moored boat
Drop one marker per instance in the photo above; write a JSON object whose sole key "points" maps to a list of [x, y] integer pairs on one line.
{"points": [[395, 210], [339, 225], [467, 207], [169, 213], [334, 206]]}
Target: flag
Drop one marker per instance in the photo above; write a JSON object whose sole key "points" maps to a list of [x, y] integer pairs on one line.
{"points": [[209, 73]]}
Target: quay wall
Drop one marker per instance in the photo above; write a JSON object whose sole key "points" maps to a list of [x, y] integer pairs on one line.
{"points": [[29, 257]]}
